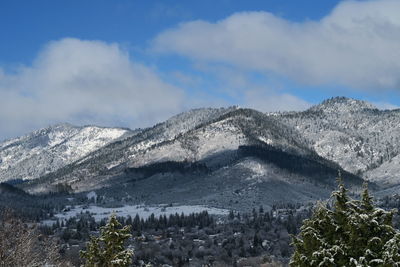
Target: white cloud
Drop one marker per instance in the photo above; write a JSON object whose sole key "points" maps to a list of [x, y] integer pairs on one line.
{"points": [[356, 45], [385, 105], [266, 95], [84, 82], [269, 101], [185, 79]]}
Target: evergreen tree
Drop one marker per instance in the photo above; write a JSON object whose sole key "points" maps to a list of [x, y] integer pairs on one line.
{"points": [[352, 233], [108, 250]]}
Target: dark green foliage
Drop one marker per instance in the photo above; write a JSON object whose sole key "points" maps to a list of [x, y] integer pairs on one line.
{"points": [[352, 233], [168, 166], [204, 238], [108, 250], [312, 166], [27, 206]]}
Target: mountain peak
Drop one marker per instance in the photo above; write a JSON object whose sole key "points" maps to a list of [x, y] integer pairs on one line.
{"points": [[51, 148], [62, 125], [342, 104]]}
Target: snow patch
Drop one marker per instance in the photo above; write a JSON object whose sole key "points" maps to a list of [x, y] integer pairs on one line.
{"points": [[143, 211]]}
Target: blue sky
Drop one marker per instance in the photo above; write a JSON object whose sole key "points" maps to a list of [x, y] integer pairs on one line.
{"points": [[28, 25], [135, 63]]}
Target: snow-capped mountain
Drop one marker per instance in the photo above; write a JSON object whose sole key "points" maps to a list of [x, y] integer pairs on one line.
{"points": [[48, 149], [297, 152], [354, 134], [245, 147], [191, 136]]}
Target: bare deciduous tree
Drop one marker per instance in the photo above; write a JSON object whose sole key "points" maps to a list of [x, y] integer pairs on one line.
{"points": [[22, 244]]}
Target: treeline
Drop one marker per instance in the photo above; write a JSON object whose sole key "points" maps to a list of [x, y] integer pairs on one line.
{"points": [[196, 239], [29, 207], [304, 165], [168, 167]]}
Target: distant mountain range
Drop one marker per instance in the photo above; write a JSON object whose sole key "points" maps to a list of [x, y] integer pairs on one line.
{"points": [[222, 157]]}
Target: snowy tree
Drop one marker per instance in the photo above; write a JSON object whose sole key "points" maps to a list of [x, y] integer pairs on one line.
{"points": [[352, 233], [108, 250]]}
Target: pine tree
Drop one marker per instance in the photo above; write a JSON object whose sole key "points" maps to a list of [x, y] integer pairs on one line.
{"points": [[108, 250], [352, 233]]}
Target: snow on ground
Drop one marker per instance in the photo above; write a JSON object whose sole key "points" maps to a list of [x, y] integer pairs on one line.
{"points": [[143, 211], [387, 174], [89, 139], [92, 195], [268, 141], [217, 137]]}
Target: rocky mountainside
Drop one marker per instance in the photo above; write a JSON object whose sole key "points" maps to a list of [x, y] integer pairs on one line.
{"points": [[210, 136], [356, 135], [226, 156], [47, 150]]}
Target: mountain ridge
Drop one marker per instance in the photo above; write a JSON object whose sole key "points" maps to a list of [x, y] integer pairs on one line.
{"points": [[342, 104], [360, 140], [47, 149], [354, 140]]}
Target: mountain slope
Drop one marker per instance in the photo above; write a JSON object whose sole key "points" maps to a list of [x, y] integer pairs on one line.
{"points": [[243, 151], [51, 148], [354, 134], [292, 152], [252, 176], [189, 136]]}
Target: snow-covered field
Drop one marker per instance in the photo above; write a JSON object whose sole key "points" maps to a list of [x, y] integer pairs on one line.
{"points": [[144, 212]]}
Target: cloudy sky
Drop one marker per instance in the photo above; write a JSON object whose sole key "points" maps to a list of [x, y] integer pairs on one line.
{"points": [[134, 63]]}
